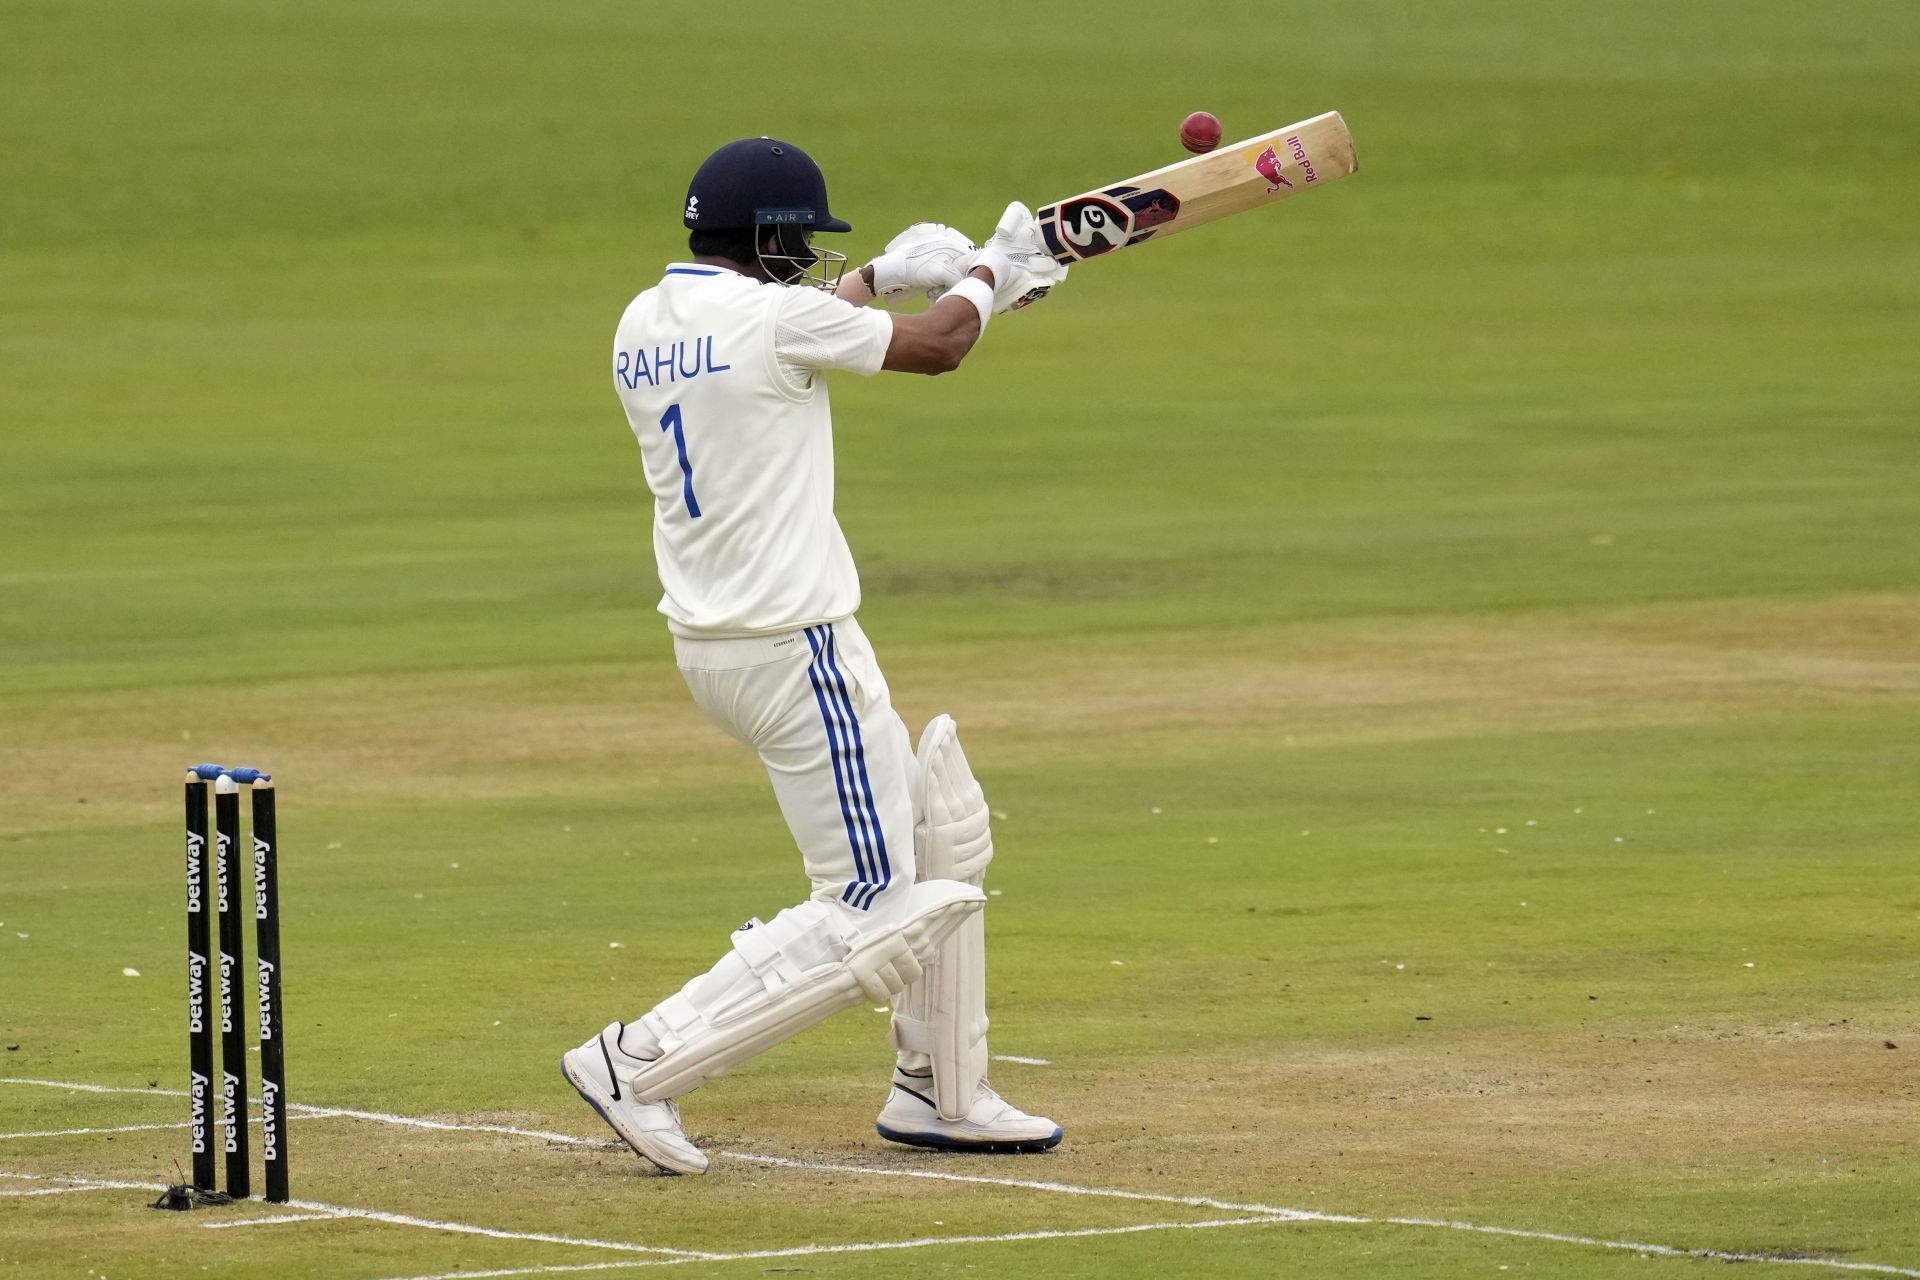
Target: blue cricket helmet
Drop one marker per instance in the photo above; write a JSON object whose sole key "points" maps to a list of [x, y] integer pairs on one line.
{"points": [[759, 182]]}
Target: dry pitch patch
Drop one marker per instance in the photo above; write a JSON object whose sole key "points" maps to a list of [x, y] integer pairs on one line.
{"points": [[572, 729]]}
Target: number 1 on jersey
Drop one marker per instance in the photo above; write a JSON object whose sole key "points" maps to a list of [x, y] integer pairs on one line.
{"points": [[670, 421]]}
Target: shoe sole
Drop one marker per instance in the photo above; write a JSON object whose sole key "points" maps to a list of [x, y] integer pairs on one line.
{"points": [[943, 1142], [618, 1128]]}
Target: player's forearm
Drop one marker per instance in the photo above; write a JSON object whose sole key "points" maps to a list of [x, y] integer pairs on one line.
{"points": [[937, 340]]}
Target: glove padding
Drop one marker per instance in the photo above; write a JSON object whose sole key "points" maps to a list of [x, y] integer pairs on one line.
{"points": [[926, 256], [1033, 272]]}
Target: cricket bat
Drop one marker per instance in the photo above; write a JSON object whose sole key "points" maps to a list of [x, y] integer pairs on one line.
{"points": [[1192, 193]]}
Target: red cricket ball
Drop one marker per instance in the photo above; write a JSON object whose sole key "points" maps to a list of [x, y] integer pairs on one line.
{"points": [[1200, 132]]}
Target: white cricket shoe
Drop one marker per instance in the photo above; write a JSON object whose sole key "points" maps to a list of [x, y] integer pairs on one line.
{"points": [[992, 1124], [602, 1071]]}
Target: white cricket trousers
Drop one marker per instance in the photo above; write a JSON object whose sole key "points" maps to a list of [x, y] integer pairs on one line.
{"points": [[813, 704], [815, 707]]}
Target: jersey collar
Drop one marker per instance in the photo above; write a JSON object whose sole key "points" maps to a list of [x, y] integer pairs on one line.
{"points": [[696, 269]]}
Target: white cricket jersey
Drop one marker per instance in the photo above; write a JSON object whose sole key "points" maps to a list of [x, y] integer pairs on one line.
{"points": [[720, 377]]}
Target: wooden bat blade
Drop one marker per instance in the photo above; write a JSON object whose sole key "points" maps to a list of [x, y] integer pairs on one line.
{"points": [[1192, 193]]}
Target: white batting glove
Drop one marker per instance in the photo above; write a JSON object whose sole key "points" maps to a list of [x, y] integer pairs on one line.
{"points": [[924, 257], [1030, 272]]}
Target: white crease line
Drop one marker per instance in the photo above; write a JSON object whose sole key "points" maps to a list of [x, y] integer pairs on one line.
{"points": [[312, 1112], [469, 1229], [256, 1121], [72, 1133], [85, 1184], [1661, 1250], [1014, 1057], [91, 1088], [1061, 1188], [872, 1246], [414, 1122], [301, 1216], [391, 1219]]}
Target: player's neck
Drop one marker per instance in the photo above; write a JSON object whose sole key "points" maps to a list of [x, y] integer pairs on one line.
{"points": [[728, 264]]}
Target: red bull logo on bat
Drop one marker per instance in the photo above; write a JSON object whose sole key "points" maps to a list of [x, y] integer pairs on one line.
{"points": [[1268, 163]]}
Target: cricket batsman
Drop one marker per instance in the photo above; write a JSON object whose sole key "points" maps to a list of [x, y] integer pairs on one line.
{"points": [[722, 369]]}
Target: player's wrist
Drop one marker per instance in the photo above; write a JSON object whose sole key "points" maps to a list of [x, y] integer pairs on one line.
{"points": [[886, 274], [979, 292], [995, 261]]}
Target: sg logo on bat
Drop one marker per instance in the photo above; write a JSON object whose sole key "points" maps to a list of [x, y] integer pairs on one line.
{"points": [[1090, 225]]}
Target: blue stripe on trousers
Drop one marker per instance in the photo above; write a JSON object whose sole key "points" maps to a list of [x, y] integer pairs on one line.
{"points": [[860, 760], [855, 827]]}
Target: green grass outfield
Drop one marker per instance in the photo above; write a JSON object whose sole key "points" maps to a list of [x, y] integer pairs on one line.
{"points": [[1446, 653]]}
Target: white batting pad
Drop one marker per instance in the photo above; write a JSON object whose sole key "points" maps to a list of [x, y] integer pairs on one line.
{"points": [[788, 974], [944, 1014]]}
